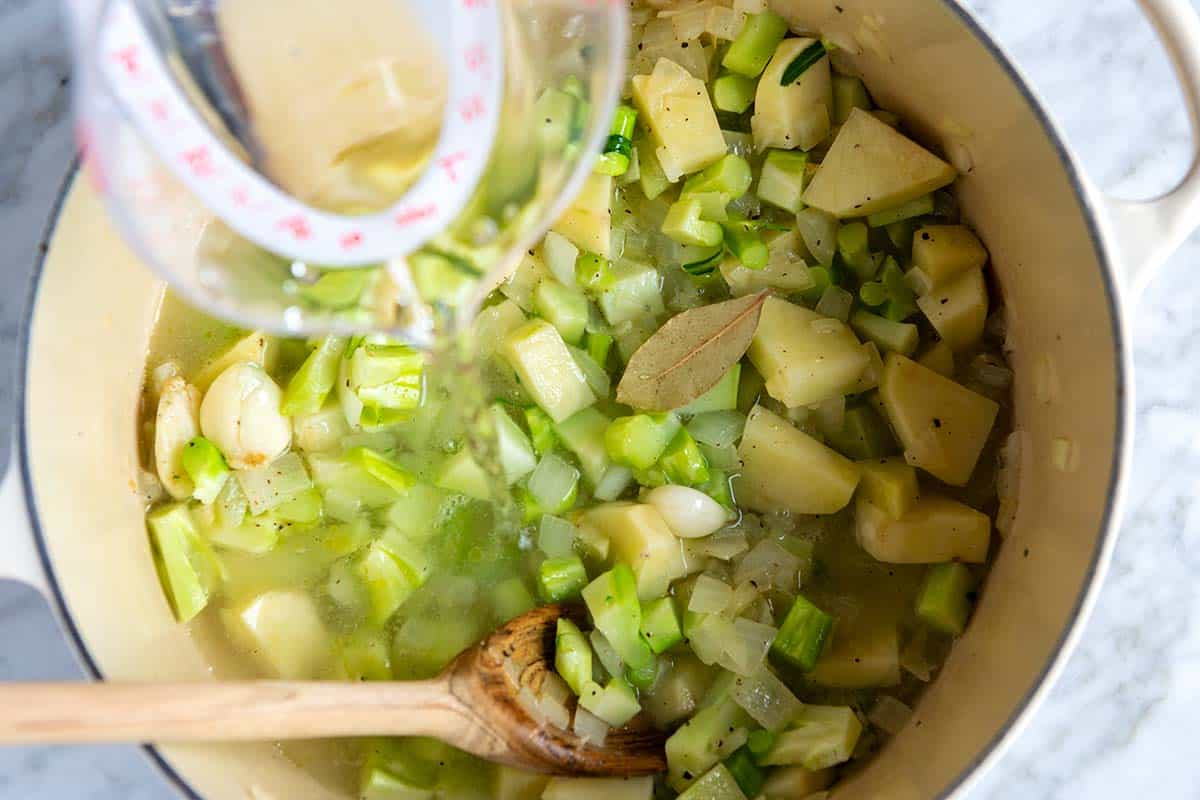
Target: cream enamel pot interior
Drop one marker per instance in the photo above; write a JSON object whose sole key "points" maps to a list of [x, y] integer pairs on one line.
{"points": [[1063, 256]]}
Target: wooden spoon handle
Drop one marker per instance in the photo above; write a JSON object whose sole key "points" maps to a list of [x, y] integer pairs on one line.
{"points": [[227, 711]]}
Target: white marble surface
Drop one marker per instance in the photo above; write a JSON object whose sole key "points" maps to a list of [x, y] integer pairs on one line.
{"points": [[1121, 720]]}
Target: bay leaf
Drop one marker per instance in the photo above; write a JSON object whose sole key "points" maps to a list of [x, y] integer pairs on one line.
{"points": [[689, 354]]}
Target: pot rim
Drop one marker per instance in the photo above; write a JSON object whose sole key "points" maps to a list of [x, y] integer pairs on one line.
{"points": [[1024, 709]]}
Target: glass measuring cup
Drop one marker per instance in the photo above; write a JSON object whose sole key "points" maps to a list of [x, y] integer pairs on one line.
{"points": [[378, 167]]}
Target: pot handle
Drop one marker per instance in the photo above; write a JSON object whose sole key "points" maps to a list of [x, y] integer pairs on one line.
{"points": [[18, 559], [1146, 232]]}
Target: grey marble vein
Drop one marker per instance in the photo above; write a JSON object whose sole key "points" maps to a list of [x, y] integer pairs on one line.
{"points": [[1120, 722]]}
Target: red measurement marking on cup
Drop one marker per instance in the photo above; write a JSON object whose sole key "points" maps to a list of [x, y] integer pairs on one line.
{"points": [[472, 108], [297, 226], [241, 196], [199, 160], [448, 164], [129, 58], [85, 138], [475, 3], [351, 240], [408, 216], [476, 57], [159, 110]]}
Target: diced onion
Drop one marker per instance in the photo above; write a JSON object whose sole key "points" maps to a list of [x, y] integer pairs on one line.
{"points": [[554, 711], [722, 545], [768, 565], [717, 428], [552, 481], [765, 698], [819, 232], [615, 481], [914, 658], [835, 302], [271, 485], [889, 714], [589, 727], [710, 596], [1008, 481], [747, 651], [556, 537], [606, 653]]}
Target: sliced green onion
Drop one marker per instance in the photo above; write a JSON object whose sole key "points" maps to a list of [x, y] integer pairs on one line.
{"points": [[733, 93], [541, 430], [639, 440], [800, 64], [572, 655], [619, 146], [945, 599], [746, 243], [683, 462]]}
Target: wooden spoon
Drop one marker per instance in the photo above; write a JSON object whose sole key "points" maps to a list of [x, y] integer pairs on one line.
{"points": [[471, 705]]}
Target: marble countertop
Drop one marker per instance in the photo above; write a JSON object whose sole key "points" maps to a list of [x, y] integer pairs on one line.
{"points": [[1121, 718]]}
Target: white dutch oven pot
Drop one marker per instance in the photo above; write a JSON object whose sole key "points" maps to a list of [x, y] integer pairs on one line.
{"points": [[1064, 256]]}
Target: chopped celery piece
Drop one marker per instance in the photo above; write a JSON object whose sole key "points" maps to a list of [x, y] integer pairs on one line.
{"points": [[891, 337], [182, 560], [511, 598], [759, 743], [556, 537], [849, 93], [863, 435], [821, 737], [599, 345], [615, 703], [556, 110], [716, 731], [638, 441], [461, 473], [565, 309], [733, 93], [597, 377], [442, 277], [553, 484], [634, 294], [255, 535], [206, 467], [378, 783], [392, 569], [723, 396], [660, 625], [593, 272], [719, 489], [891, 292], [717, 428], [572, 655], [301, 509], [738, 777], [615, 158], [889, 484], [512, 446], [803, 634], [541, 430], [746, 244], [381, 468], [615, 481], [754, 46], [683, 223], [364, 656], [561, 579], [541, 359], [310, 386], [612, 600], [387, 376], [338, 288], [730, 177], [945, 599], [583, 435], [854, 249], [781, 181], [913, 208], [682, 461]]}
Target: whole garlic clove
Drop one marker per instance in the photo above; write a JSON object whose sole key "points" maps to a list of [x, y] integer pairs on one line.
{"points": [[689, 513], [176, 423], [240, 415]]}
